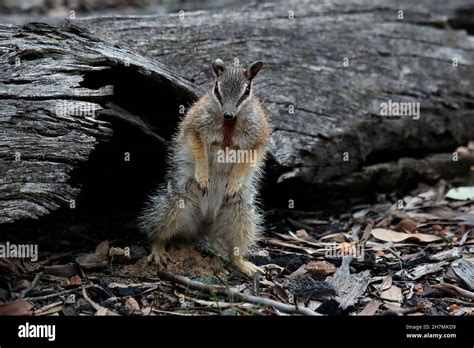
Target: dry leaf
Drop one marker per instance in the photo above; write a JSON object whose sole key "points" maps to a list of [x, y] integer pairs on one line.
{"points": [[386, 284], [292, 246], [392, 236], [21, 307], [338, 237], [50, 309], [407, 225], [66, 271], [132, 304], [103, 247], [302, 233], [370, 308], [452, 308], [319, 269], [301, 270], [393, 306], [75, 280], [92, 261], [463, 193], [102, 311], [418, 288], [463, 151], [393, 294]]}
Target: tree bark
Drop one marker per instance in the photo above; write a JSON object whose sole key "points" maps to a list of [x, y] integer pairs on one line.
{"points": [[50, 99], [329, 68], [336, 106]]}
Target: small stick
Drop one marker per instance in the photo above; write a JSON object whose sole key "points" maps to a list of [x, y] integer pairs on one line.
{"points": [[283, 307], [454, 290], [47, 308], [65, 292], [169, 312], [32, 285], [100, 310]]}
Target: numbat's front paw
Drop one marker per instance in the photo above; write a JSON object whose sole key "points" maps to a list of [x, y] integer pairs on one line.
{"points": [[232, 188], [247, 267], [202, 178]]}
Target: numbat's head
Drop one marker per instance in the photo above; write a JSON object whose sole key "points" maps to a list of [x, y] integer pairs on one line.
{"points": [[233, 87]]}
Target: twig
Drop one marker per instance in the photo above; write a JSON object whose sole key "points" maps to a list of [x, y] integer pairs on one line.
{"points": [[454, 290], [65, 292], [47, 308], [454, 300], [172, 313], [405, 311], [32, 284], [283, 307], [100, 310]]}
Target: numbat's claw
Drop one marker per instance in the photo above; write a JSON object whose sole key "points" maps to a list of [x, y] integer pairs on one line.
{"points": [[159, 256], [247, 267]]}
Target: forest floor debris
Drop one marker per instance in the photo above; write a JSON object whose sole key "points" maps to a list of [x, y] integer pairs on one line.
{"points": [[398, 256]]}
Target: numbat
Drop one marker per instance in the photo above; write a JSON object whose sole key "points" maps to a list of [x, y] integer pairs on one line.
{"points": [[215, 165]]}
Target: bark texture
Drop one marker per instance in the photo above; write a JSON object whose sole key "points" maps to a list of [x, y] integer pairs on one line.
{"points": [[329, 67]]}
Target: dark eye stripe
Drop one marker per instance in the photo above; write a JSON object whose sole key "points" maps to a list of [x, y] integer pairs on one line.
{"points": [[216, 92], [244, 96]]}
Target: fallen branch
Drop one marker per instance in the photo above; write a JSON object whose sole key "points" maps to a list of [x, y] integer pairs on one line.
{"points": [[283, 307], [65, 292], [47, 308], [100, 310], [32, 285], [454, 290], [154, 310], [420, 308]]}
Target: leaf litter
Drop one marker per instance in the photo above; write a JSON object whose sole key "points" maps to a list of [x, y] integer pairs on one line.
{"points": [[407, 255]]}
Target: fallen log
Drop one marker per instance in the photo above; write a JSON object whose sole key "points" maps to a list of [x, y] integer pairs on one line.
{"points": [[49, 109], [331, 69]]}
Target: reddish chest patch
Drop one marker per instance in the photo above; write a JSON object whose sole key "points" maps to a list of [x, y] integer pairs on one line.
{"points": [[229, 128]]}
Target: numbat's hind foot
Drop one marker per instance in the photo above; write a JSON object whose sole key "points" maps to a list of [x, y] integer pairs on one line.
{"points": [[247, 267], [158, 255]]}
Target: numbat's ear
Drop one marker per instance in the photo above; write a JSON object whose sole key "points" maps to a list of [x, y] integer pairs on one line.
{"points": [[218, 66], [253, 70]]}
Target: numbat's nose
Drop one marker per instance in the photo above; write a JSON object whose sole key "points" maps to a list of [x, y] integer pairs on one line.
{"points": [[228, 115]]}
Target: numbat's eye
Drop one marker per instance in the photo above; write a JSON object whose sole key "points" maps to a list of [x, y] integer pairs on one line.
{"points": [[245, 95], [217, 94], [247, 90]]}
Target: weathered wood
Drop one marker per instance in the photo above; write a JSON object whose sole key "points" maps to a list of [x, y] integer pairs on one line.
{"points": [[326, 114], [336, 108], [400, 174], [48, 119], [464, 269], [349, 287], [422, 270]]}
